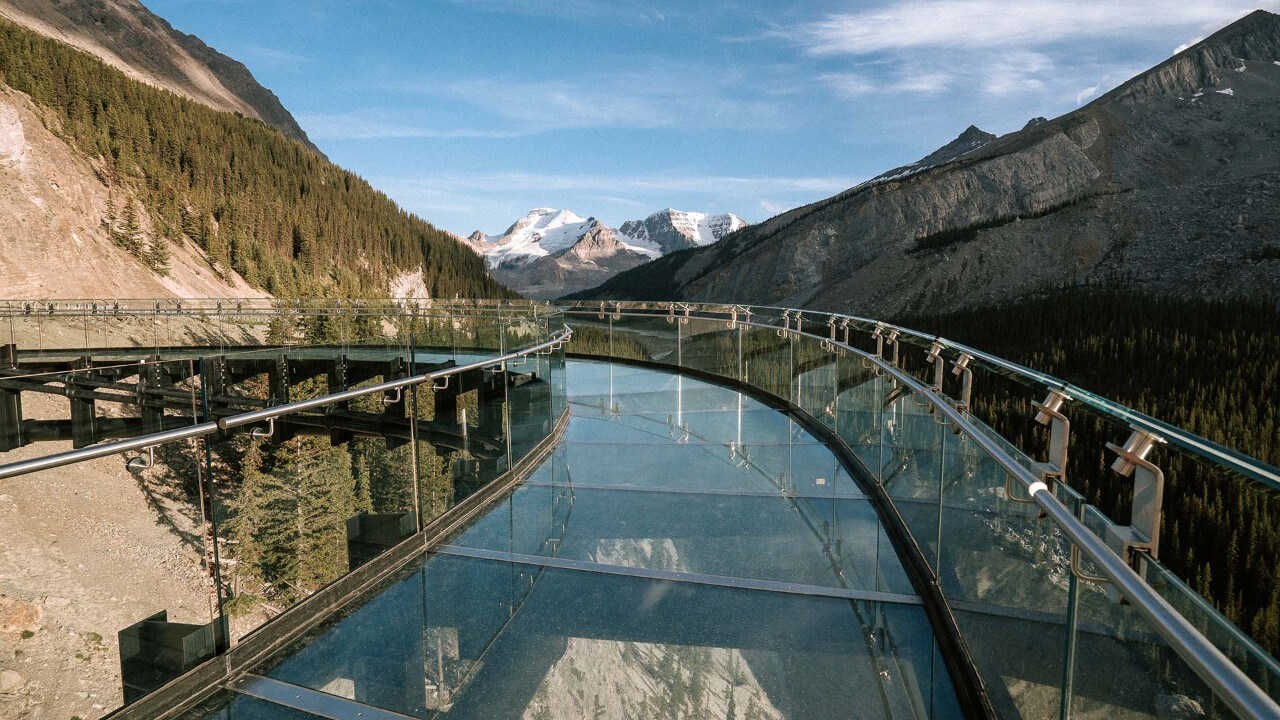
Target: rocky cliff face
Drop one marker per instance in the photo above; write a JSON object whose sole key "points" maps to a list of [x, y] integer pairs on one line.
{"points": [[1169, 183], [128, 36]]}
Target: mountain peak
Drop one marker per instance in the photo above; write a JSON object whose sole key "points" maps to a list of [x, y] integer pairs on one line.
{"points": [[1254, 37], [550, 251], [966, 142]]}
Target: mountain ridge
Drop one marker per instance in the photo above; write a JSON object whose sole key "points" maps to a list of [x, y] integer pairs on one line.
{"points": [[1161, 183], [143, 201], [143, 45]]}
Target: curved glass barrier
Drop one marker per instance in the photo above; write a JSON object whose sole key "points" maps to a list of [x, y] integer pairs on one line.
{"points": [[1063, 587], [124, 571], [1030, 616]]}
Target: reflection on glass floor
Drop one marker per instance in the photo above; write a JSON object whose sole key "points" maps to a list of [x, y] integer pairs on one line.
{"points": [[686, 552]]}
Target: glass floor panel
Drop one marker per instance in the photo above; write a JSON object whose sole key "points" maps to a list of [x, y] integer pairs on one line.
{"points": [[761, 427], [462, 637], [821, 542], [638, 574]]}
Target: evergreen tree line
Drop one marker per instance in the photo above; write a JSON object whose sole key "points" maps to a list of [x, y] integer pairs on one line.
{"points": [[269, 208], [1210, 368]]}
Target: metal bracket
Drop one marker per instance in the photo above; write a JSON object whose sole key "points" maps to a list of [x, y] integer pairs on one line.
{"points": [[260, 433], [442, 385], [829, 344], [142, 462], [1048, 413], [1143, 534], [960, 368], [1080, 573], [392, 397], [785, 330], [939, 366]]}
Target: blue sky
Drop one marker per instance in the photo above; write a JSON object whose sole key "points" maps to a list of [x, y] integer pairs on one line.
{"points": [[471, 112]]}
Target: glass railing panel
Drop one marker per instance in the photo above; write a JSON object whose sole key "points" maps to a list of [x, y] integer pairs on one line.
{"points": [[1124, 668], [592, 336], [1117, 629], [1243, 650], [27, 330], [1005, 574], [655, 339], [767, 360], [466, 635], [860, 411], [306, 498], [751, 425], [712, 346], [814, 374], [559, 380], [112, 332], [912, 465], [107, 579], [529, 399], [433, 335], [476, 336], [657, 393]]}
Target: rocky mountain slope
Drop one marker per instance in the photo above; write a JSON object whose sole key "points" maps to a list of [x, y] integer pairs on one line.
{"points": [[548, 252], [143, 201], [52, 242], [132, 39], [1169, 183]]}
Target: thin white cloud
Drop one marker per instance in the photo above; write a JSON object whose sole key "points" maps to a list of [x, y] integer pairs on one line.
{"points": [[925, 82], [856, 85], [985, 24], [1016, 72], [275, 57], [1086, 93], [622, 184], [848, 85], [359, 126], [1187, 44], [686, 97], [773, 208]]}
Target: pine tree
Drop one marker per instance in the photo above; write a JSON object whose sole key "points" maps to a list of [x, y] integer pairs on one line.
{"points": [[130, 234], [159, 258]]}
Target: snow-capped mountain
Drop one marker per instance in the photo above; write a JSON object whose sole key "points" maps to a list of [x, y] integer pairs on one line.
{"points": [[549, 253], [669, 230], [541, 232]]}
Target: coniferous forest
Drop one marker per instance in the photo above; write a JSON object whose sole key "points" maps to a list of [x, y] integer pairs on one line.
{"points": [[279, 214], [1210, 368]]}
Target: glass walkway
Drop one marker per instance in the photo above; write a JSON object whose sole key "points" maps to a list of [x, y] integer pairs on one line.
{"points": [[392, 509], [686, 551]]}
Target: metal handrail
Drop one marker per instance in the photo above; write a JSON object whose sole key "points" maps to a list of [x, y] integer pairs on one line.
{"points": [[1213, 452], [1222, 675], [208, 428]]}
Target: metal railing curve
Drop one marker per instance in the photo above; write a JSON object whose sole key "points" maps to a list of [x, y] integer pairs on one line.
{"points": [[144, 442]]}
